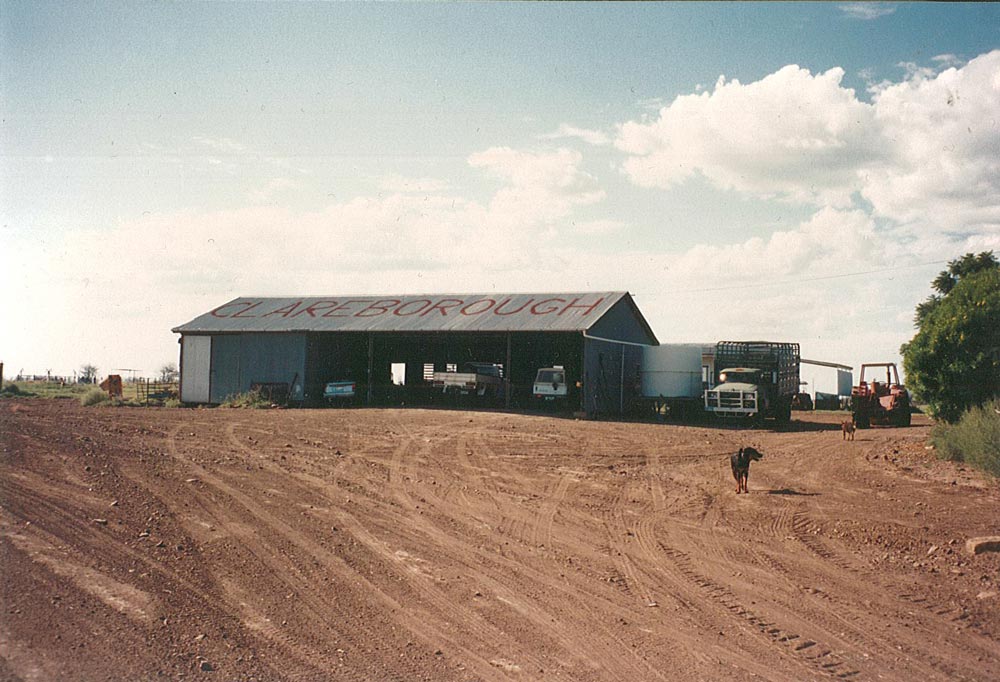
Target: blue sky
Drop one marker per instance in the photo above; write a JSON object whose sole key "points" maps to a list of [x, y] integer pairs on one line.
{"points": [[732, 165]]}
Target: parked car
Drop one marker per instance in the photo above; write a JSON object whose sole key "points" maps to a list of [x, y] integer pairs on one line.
{"points": [[339, 392]]}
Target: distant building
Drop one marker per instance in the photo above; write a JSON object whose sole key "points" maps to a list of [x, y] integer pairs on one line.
{"points": [[302, 343]]}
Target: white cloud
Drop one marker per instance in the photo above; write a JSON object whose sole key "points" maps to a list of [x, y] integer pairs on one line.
{"points": [[542, 187], [866, 11], [925, 152], [791, 135], [592, 137], [941, 169], [394, 182], [165, 268], [946, 60]]}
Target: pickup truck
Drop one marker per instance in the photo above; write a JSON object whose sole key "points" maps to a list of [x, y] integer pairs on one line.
{"points": [[476, 378], [339, 392]]}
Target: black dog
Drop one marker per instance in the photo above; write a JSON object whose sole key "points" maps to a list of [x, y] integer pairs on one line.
{"points": [[741, 467]]}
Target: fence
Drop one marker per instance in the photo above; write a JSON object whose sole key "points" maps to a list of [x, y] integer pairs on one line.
{"points": [[147, 391]]}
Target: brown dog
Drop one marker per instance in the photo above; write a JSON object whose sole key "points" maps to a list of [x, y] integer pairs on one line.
{"points": [[740, 462], [847, 428]]}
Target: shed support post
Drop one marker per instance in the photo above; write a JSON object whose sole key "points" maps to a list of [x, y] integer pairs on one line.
{"points": [[506, 377], [371, 353], [621, 385]]}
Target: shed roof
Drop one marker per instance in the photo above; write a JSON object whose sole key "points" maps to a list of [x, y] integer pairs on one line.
{"points": [[566, 312]]}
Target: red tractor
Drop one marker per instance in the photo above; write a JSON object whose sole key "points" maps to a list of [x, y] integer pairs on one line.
{"points": [[880, 402]]}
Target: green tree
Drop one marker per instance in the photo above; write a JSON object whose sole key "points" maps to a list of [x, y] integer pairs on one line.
{"points": [[168, 372], [953, 361], [88, 373]]}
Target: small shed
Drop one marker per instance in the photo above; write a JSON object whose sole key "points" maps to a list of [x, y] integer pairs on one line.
{"points": [[303, 342]]}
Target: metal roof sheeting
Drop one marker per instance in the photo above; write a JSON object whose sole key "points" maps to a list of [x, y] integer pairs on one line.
{"points": [[568, 312]]}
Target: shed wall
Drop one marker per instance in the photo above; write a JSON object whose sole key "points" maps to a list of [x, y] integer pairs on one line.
{"points": [[239, 360], [611, 377], [196, 367], [623, 322]]}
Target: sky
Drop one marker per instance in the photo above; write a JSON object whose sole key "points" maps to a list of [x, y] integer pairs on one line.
{"points": [[780, 171]]}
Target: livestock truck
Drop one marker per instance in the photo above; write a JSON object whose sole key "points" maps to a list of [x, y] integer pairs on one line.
{"points": [[756, 380]]}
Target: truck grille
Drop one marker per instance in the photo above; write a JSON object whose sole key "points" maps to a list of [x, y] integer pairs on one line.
{"points": [[731, 400]]}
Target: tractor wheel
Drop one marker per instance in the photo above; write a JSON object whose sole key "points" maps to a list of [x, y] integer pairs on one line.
{"points": [[861, 420], [904, 418]]}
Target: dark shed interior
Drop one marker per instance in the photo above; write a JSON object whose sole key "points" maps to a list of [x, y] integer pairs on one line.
{"points": [[344, 357]]}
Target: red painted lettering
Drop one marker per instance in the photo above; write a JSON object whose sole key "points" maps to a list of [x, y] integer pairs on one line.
{"points": [[240, 313], [444, 305], [551, 309], [217, 312], [400, 309], [314, 307], [589, 308], [496, 311], [379, 309], [468, 309], [343, 306], [284, 310]]}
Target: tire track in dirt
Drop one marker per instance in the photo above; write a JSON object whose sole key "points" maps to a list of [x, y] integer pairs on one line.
{"points": [[486, 633], [284, 572], [541, 615], [541, 533], [67, 525], [809, 651], [807, 532], [652, 553], [552, 497], [848, 622]]}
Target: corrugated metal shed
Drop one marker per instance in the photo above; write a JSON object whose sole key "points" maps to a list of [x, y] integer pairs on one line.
{"points": [[567, 312]]}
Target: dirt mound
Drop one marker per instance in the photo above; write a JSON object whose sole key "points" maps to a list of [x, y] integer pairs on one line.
{"points": [[414, 544]]}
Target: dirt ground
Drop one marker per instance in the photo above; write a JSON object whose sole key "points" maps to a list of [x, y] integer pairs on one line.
{"points": [[141, 544]]}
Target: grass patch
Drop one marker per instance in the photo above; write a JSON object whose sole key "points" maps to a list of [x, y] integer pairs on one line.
{"points": [[44, 389], [251, 400], [94, 396], [973, 439], [12, 390]]}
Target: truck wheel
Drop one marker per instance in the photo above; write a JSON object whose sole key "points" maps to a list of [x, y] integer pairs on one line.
{"points": [[783, 414]]}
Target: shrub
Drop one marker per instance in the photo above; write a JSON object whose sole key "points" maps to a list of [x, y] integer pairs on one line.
{"points": [[250, 400], [14, 391], [974, 438], [94, 396], [173, 402]]}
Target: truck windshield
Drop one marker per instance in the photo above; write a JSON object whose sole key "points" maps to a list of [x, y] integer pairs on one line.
{"points": [[731, 376], [488, 370]]}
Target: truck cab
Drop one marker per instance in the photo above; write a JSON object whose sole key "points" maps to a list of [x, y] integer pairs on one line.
{"points": [[550, 384], [738, 393]]}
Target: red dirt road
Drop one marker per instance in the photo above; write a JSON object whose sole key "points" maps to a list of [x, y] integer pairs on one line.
{"points": [[407, 545]]}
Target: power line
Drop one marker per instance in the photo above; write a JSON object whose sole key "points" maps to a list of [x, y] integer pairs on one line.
{"points": [[807, 279]]}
